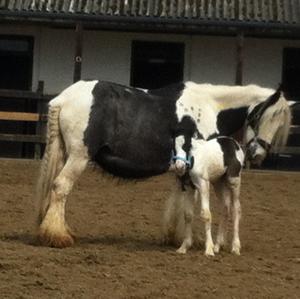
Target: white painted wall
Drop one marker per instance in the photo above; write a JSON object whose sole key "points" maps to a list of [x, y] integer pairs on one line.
{"points": [[263, 60], [213, 59], [106, 56], [56, 59]]}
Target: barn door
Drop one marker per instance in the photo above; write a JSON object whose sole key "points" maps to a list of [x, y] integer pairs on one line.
{"points": [[16, 60], [290, 80], [156, 64]]}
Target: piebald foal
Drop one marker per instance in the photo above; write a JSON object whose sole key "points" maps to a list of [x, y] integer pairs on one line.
{"points": [[197, 163]]}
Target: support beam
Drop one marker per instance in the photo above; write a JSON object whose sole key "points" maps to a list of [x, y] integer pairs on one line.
{"points": [[239, 59], [78, 53], [239, 75]]}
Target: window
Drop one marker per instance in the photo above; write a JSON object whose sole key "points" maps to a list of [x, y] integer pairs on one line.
{"points": [[16, 61], [291, 78], [156, 64]]}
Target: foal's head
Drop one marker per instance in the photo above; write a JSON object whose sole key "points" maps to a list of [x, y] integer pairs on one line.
{"points": [[186, 130], [267, 125]]}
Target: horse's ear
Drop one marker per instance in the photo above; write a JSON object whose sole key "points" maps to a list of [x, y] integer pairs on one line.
{"points": [[273, 98], [280, 87], [293, 103]]}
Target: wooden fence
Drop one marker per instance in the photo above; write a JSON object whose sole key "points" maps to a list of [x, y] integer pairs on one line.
{"points": [[38, 118]]}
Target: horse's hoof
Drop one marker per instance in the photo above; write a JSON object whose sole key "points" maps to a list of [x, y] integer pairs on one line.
{"points": [[181, 250], [236, 251], [209, 251], [217, 248], [55, 240]]}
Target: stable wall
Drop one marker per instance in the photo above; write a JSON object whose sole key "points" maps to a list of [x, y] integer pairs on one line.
{"points": [[107, 56]]}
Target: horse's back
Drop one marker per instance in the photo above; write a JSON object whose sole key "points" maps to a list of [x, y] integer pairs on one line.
{"points": [[126, 130]]}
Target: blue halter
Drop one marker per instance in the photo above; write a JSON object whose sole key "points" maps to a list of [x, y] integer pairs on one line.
{"points": [[187, 161]]}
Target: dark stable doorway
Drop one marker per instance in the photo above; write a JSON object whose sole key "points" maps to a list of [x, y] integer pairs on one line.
{"points": [[290, 80], [16, 64], [156, 64]]}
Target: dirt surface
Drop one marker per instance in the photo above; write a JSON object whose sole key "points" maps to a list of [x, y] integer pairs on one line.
{"points": [[118, 253]]}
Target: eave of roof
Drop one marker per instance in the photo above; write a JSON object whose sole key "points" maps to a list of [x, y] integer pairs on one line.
{"points": [[145, 23], [283, 11]]}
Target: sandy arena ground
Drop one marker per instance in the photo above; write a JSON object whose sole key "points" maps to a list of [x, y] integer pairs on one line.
{"points": [[118, 252]]}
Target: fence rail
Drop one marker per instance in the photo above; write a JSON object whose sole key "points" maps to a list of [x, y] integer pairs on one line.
{"points": [[37, 118]]}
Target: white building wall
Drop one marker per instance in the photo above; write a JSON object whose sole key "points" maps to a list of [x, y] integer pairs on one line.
{"points": [[213, 59], [263, 60], [56, 61], [107, 56]]}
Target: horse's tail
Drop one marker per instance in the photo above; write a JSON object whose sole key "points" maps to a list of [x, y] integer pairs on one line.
{"points": [[173, 219], [52, 162]]}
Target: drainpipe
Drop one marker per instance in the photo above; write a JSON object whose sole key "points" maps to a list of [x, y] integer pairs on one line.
{"points": [[78, 52], [239, 71], [239, 59]]}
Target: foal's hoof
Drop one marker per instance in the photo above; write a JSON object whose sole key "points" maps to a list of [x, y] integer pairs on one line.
{"points": [[236, 248], [236, 251], [181, 250], [217, 248], [55, 240], [209, 253]]}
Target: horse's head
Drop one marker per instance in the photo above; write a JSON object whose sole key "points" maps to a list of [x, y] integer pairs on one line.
{"points": [[185, 132], [268, 125], [183, 160]]}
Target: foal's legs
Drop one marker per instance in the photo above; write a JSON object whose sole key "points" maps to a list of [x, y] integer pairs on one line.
{"points": [[203, 188], [53, 229], [188, 198], [235, 184], [223, 194]]}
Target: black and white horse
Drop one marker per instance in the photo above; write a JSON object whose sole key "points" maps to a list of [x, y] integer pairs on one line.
{"points": [[220, 162], [129, 132], [267, 126]]}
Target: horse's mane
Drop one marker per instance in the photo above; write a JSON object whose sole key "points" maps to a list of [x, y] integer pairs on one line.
{"points": [[232, 96], [279, 112]]}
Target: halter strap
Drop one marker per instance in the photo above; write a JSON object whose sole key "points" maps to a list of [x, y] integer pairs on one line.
{"points": [[254, 116], [264, 144], [188, 161]]}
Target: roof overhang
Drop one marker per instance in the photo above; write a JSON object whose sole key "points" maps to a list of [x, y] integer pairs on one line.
{"points": [[154, 24]]}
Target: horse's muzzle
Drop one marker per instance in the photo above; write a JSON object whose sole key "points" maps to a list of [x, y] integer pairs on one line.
{"points": [[180, 167]]}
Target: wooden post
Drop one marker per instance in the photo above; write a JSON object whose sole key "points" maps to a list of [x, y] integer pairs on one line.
{"points": [[239, 59], [239, 74], [78, 53], [38, 131]]}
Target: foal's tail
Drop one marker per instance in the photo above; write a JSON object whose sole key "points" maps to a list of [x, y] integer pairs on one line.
{"points": [[52, 162]]}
